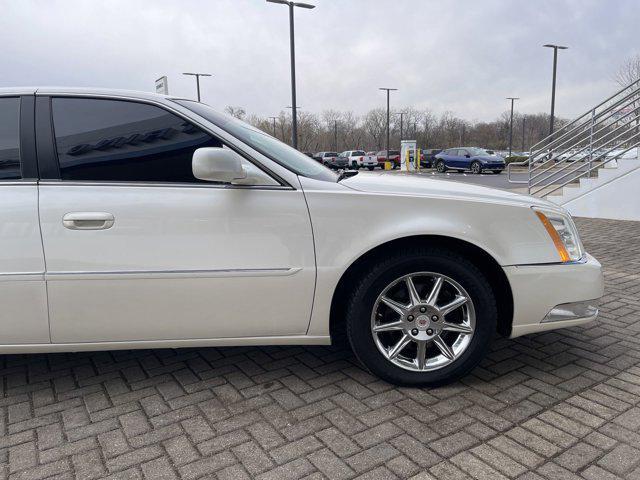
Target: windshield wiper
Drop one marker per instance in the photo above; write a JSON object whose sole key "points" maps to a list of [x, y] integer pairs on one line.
{"points": [[342, 174]]}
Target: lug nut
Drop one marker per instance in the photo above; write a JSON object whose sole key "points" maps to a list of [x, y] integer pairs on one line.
{"points": [[414, 331], [423, 309], [410, 318], [434, 318], [429, 331]]}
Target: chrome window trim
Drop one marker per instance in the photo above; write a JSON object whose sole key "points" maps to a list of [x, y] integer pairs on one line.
{"points": [[221, 134]]}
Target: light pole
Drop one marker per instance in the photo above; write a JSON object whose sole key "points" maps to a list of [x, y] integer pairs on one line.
{"points": [[198, 75], [553, 85], [274, 125], [523, 123], [335, 135], [513, 99], [291, 4], [294, 125], [388, 90], [402, 114]]}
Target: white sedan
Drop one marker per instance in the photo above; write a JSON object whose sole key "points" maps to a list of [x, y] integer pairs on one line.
{"points": [[133, 220]]}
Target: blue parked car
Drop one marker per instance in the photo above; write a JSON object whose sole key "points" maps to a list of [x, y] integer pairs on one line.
{"points": [[468, 158]]}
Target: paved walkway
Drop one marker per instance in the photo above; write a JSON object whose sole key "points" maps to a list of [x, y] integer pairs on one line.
{"points": [[559, 405]]}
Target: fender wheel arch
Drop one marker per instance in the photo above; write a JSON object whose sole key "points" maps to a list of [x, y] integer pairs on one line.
{"points": [[478, 256]]}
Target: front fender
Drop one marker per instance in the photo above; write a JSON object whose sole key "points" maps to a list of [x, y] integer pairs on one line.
{"points": [[347, 224]]}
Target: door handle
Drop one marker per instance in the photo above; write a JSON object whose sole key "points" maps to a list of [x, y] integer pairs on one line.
{"points": [[88, 220]]}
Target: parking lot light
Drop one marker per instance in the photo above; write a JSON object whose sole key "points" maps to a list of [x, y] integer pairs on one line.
{"points": [[513, 99], [294, 117], [198, 75], [553, 84], [388, 90]]}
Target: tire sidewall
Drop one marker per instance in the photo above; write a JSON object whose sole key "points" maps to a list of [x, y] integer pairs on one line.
{"points": [[359, 319]]}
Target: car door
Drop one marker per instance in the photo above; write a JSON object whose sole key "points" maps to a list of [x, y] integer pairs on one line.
{"points": [[23, 316], [137, 249], [463, 158]]}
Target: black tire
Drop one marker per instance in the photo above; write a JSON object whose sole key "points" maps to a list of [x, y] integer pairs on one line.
{"points": [[381, 274], [497, 172], [476, 167], [371, 168], [441, 167]]}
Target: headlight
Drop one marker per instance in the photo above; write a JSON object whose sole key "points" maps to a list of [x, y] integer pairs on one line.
{"points": [[563, 233]]}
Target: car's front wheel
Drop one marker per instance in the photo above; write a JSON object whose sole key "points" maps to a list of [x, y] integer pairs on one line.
{"points": [[423, 318], [441, 167]]}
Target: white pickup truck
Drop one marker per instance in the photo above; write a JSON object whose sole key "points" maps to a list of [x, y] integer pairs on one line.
{"points": [[359, 159]]}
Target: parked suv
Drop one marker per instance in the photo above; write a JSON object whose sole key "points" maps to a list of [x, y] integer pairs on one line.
{"points": [[469, 158], [135, 220], [331, 160], [429, 156]]}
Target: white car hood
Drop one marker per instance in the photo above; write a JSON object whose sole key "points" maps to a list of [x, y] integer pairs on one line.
{"points": [[404, 184]]}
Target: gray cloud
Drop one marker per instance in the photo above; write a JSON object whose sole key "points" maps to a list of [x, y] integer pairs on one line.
{"points": [[463, 56]]}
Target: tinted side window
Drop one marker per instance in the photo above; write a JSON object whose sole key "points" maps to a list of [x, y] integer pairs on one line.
{"points": [[113, 140], [10, 139]]}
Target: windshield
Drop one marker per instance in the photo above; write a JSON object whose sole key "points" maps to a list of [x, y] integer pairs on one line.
{"points": [[267, 145], [331, 154]]}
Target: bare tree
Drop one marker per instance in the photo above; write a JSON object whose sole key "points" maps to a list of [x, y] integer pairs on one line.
{"points": [[375, 125], [628, 73]]}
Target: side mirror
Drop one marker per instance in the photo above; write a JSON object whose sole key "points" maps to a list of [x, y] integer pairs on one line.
{"points": [[468, 156], [217, 165]]}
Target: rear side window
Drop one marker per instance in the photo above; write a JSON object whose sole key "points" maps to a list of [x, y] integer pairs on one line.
{"points": [[10, 139], [357, 152], [114, 140]]}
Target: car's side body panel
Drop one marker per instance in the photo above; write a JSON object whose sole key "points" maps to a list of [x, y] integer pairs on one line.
{"points": [[23, 296], [178, 263], [340, 241]]}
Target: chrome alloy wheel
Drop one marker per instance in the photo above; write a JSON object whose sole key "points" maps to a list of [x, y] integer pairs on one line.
{"points": [[423, 321]]}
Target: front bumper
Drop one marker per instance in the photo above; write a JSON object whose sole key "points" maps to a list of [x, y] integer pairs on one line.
{"points": [[547, 297]]}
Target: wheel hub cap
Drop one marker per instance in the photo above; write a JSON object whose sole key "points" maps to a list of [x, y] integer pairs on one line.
{"points": [[423, 321]]}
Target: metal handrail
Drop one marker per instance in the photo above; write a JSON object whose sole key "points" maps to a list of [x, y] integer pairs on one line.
{"points": [[635, 145], [577, 140], [583, 126], [632, 84], [524, 162], [580, 167], [567, 166], [566, 160]]}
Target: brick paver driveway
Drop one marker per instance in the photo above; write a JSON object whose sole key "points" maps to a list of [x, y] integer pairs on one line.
{"points": [[558, 405]]}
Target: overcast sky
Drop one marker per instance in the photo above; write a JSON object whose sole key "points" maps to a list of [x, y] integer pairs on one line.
{"points": [[464, 56]]}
